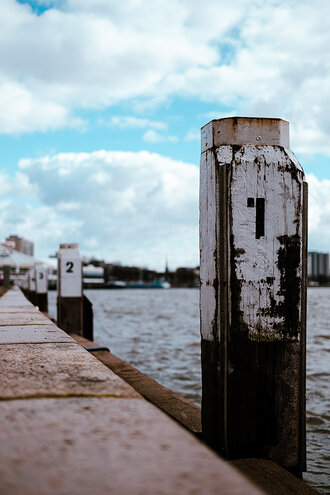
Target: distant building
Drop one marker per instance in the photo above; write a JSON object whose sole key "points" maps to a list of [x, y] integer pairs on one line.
{"points": [[20, 244], [318, 266]]}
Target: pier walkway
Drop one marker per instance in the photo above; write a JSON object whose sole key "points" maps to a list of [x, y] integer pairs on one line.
{"points": [[69, 425]]}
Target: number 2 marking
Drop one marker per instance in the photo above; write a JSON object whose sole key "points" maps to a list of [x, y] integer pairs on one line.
{"points": [[69, 265]]}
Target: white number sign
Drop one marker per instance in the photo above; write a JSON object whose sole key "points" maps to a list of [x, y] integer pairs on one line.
{"points": [[69, 271], [41, 279]]}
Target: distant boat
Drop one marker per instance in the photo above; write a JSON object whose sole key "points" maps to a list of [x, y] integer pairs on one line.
{"points": [[119, 284], [157, 284], [115, 284]]}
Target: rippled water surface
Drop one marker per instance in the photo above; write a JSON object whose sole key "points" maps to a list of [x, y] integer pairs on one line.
{"points": [[318, 388], [158, 332]]}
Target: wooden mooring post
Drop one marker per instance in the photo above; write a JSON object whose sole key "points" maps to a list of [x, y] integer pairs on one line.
{"points": [[69, 289], [41, 276], [32, 286], [6, 277], [253, 242]]}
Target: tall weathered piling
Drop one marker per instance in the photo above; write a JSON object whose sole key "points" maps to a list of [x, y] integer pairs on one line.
{"points": [[41, 276], [253, 243], [69, 289]]}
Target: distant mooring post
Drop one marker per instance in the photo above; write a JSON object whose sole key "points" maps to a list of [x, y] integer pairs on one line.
{"points": [[6, 276], [69, 289], [32, 286], [41, 276], [253, 244]]}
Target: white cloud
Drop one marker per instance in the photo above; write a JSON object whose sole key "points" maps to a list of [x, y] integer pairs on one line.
{"points": [[137, 123], [318, 214], [152, 136], [17, 186], [193, 135], [39, 223], [90, 54], [94, 53], [137, 207], [23, 112], [266, 58], [134, 207], [268, 74]]}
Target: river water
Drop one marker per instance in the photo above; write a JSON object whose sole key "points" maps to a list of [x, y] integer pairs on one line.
{"points": [[157, 331]]}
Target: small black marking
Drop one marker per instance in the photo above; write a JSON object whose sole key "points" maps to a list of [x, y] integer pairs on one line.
{"points": [[69, 265], [260, 217], [250, 202]]}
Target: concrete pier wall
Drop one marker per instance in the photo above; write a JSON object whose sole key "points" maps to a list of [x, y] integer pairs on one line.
{"points": [[69, 425]]}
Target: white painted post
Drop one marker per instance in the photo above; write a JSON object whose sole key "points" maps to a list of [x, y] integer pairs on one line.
{"points": [[32, 280], [253, 243], [32, 286], [25, 282], [41, 276], [69, 287]]}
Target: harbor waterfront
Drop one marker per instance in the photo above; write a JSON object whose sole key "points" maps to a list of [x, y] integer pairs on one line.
{"points": [[157, 331]]}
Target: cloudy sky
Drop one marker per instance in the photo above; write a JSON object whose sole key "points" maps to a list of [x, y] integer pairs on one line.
{"points": [[101, 104]]}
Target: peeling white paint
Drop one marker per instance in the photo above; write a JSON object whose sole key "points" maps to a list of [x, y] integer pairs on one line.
{"points": [[32, 280], [257, 171], [269, 178], [208, 244]]}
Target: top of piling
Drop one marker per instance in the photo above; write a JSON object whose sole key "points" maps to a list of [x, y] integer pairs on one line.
{"points": [[71, 245], [245, 130]]}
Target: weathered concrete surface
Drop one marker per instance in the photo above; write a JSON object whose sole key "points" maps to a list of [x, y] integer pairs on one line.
{"points": [[20, 334], [17, 302], [14, 297], [106, 446], [70, 425], [182, 410], [18, 309], [265, 474], [30, 318], [37, 370]]}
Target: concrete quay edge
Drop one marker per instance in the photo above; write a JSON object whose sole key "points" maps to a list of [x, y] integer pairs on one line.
{"points": [[266, 474], [70, 425]]}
